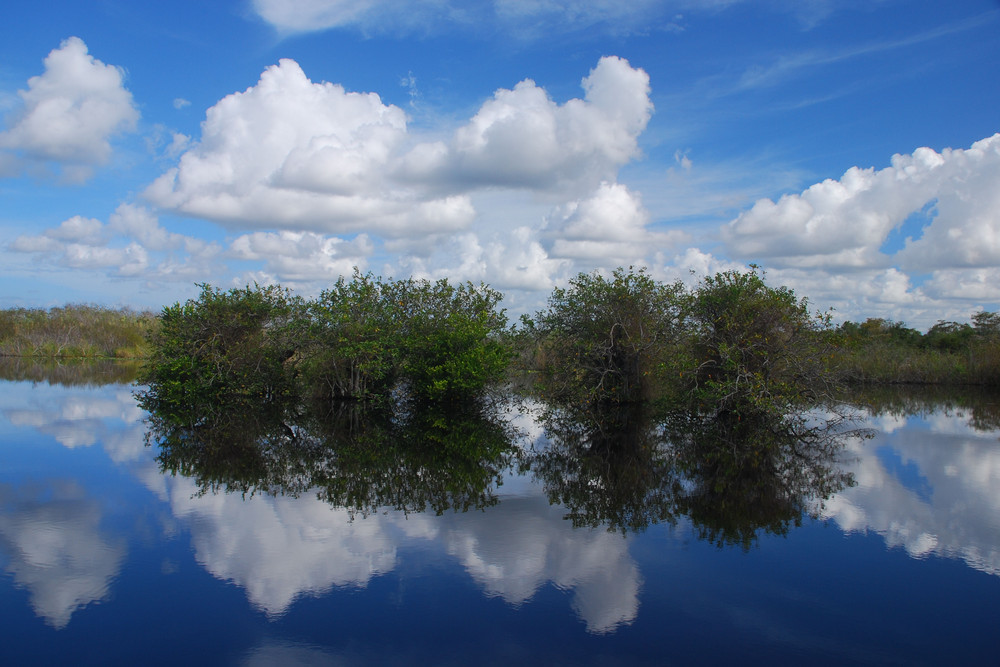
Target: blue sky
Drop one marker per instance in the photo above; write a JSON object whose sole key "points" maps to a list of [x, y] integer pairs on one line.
{"points": [[849, 148]]}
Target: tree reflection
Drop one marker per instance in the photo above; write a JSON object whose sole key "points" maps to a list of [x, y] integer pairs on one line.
{"points": [[420, 457], [626, 467], [246, 451], [621, 466], [68, 372], [981, 408], [739, 479], [607, 464], [354, 455]]}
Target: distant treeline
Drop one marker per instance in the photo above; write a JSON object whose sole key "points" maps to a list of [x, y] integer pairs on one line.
{"points": [[626, 336], [75, 331], [879, 351]]}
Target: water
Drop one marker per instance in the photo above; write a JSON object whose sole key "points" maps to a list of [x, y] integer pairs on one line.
{"points": [[106, 559]]}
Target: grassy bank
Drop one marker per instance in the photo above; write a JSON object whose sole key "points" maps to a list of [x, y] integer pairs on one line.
{"points": [[883, 352], [75, 331]]}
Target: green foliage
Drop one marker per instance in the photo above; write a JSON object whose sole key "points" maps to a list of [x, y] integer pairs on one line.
{"points": [[757, 345], [986, 325], [948, 336], [355, 341], [880, 351], [221, 349], [609, 339], [350, 338], [452, 346]]}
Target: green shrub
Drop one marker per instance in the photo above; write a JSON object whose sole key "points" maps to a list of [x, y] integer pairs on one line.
{"points": [[452, 340], [758, 346], [220, 349], [609, 339], [350, 338]]}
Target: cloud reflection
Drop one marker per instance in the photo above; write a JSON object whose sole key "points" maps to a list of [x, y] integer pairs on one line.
{"points": [[55, 548], [929, 487], [279, 549]]}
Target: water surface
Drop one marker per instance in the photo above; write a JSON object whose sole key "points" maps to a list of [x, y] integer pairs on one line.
{"points": [[566, 550]]}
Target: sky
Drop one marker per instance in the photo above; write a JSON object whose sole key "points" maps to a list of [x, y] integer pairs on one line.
{"points": [[850, 148]]}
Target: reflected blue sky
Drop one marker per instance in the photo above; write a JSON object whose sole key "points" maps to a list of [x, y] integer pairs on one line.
{"points": [[96, 545]]}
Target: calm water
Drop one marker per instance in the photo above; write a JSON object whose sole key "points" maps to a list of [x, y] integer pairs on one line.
{"points": [[106, 559]]}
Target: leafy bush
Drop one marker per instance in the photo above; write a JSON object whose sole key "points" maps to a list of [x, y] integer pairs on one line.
{"points": [[452, 345], [757, 345], [354, 342], [609, 339], [350, 337], [220, 349]]}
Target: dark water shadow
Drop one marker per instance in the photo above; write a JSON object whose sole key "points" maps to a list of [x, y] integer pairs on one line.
{"points": [[361, 457], [68, 372], [627, 467]]}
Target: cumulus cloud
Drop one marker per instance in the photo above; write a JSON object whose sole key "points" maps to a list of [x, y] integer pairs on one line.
{"points": [[610, 226], [131, 244], [521, 138], [303, 256], [291, 153], [844, 223], [946, 203], [71, 111]]}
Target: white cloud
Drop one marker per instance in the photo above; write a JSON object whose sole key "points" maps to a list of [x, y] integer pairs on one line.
{"points": [[303, 256], [71, 111], [79, 229], [965, 232], [844, 223], [609, 227], [981, 285], [132, 244], [946, 269], [292, 154], [520, 262], [521, 138]]}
